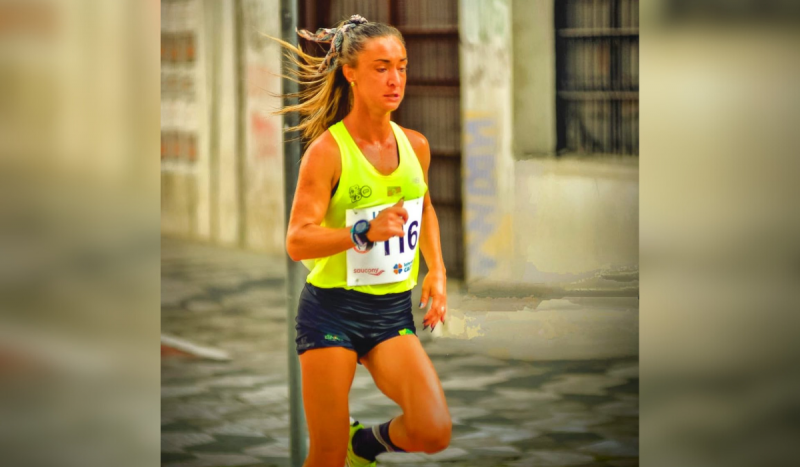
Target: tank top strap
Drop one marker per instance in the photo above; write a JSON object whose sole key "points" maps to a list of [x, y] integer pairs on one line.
{"points": [[404, 145], [345, 142]]}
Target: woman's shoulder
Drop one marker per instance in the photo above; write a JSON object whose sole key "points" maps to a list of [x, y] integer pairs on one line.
{"points": [[322, 156], [324, 147], [419, 143], [417, 139]]}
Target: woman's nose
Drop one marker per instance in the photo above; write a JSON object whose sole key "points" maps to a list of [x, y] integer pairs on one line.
{"points": [[394, 77]]}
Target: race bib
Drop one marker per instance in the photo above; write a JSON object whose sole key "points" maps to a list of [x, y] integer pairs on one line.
{"points": [[390, 261]]}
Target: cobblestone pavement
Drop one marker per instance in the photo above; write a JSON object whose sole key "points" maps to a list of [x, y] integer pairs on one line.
{"points": [[234, 412]]}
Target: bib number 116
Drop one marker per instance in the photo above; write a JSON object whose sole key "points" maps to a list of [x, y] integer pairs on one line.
{"points": [[412, 236]]}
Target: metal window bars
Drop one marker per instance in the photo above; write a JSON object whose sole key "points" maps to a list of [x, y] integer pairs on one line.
{"points": [[597, 74]]}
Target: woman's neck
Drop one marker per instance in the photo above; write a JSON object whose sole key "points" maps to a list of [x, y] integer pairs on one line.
{"points": [[370, 127]]}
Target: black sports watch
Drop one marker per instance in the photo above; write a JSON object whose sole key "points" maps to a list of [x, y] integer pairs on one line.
{"points": [[359, 235]]}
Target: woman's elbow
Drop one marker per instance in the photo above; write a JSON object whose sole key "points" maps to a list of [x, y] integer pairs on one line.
{"points": [[291, 247]]}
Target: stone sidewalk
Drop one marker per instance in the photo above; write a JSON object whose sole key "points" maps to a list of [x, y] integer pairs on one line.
{"points": [[234, 411]]}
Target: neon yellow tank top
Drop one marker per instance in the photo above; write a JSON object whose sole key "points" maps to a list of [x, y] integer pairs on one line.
{"points": [[362, 186]]}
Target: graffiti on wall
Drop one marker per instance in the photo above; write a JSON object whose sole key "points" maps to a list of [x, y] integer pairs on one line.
{"points": [[484, 35], [480, 192], [264, 129]]}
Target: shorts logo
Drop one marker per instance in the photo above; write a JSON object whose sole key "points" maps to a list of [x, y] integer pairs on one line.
{"points": [[405, 267], [370, 271], [357, 192], [406, 332], [331, 337]]}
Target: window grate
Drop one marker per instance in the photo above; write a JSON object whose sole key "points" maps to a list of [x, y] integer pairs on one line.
{"points": [[597, 75]]}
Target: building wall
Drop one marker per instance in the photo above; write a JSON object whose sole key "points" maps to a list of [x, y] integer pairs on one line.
{"points": [[180, 110], [232, 193], [534, 78], [263, 197], [576, 221], [486, 92], [534, 220], [227, 208]]}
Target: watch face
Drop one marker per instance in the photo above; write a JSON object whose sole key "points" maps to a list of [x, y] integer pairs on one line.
{"points": [[362, 226]]}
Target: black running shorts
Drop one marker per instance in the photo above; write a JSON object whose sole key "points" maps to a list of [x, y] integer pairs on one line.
{"points": [[354, 320]]}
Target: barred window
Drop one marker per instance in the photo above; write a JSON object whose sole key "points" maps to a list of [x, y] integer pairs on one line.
{"points": [[597, 76]]}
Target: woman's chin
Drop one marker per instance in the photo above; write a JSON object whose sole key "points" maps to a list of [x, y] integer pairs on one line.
{"points": [[391, 107], [385, 105]]}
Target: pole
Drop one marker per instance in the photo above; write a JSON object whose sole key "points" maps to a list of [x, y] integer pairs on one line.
{"points": [[295, 277], [240, 59]]}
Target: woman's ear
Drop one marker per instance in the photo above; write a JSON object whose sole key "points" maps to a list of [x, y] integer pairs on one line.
{"points": [[349, 73]]}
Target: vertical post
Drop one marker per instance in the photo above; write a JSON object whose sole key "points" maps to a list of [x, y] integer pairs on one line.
{"points": [[240, 59], [212, 15], [295, 277]]}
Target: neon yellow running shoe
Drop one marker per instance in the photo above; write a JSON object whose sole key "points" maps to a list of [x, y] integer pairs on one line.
{"points": [[352, 459]]}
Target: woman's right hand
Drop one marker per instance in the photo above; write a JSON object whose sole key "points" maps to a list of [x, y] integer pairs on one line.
{"points": [[388, 223]]}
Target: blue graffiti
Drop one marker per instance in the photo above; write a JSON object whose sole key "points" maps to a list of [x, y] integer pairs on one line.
{"points": [[481, 193]]}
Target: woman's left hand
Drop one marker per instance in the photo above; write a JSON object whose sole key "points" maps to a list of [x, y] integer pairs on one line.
{"points": [[434, 286]]}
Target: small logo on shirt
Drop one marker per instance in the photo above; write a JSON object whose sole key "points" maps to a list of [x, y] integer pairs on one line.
{"points": [[393, 190], [405, 267], [357, 192], [370, 271]]}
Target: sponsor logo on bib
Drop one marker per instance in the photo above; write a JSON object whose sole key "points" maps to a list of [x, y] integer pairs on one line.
{"points": [[402, 267], [370, 271]]}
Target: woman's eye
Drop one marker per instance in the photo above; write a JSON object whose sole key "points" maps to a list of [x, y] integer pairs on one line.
{"points": [[403, 69], [381, 70]]}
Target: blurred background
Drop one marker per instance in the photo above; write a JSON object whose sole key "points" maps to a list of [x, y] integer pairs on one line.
{"points": [[86, 207], [79, 235], [531, 110]]}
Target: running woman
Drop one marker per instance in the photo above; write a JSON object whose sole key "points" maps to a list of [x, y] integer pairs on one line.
{"points": [[361, 214]]}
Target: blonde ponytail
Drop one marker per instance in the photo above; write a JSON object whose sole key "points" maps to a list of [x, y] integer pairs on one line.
{"points": [[325, 96]]}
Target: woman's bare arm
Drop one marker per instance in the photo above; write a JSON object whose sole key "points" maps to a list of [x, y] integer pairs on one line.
{"points": [[435, 283], [306, 238]]}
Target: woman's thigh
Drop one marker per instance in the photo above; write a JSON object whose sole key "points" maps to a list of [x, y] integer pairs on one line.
{"points": [[327, 377], [404, 372]]}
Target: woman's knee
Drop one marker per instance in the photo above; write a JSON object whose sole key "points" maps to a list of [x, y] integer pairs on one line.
{"points": [[432, 434]]}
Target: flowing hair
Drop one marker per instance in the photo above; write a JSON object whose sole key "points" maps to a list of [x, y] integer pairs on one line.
{"points": [[325, 96]]}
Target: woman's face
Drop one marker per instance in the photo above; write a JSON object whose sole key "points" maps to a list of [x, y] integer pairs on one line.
{"points": [[380, 74]]}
